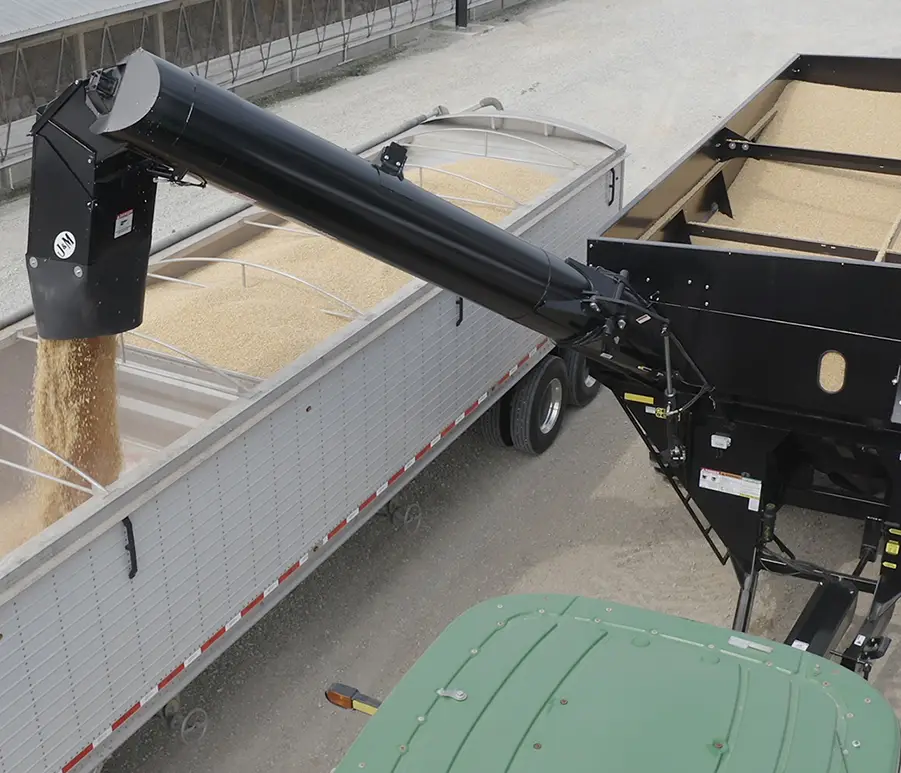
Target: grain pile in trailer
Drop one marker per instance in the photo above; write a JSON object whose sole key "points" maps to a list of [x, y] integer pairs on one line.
{"points": [[260, 328]]}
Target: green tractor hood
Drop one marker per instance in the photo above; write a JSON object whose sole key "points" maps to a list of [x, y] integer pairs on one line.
{"points": [[564, 684]]}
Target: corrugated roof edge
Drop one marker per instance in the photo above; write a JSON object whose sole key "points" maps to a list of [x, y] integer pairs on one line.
{"points": [[25, 20]]}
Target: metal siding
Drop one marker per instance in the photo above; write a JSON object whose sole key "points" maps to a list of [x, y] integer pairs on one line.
{"points": [[22, 18], [83, 644]]}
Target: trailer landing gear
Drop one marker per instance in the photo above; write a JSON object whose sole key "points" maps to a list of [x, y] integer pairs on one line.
{"points": [[191, 726], [407, 517]]}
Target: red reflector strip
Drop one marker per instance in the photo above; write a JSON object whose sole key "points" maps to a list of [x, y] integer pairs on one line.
{"points": [[213, 639], [294, 567], [75, 760], [126, 716], [290, 571], [249, 608], [176, 672]]}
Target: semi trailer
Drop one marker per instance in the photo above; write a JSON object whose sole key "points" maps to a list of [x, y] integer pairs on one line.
{"points": [[252, 455], [755, 353]]}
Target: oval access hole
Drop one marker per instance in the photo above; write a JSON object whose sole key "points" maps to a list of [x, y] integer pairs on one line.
{"points": [[832, 372]]}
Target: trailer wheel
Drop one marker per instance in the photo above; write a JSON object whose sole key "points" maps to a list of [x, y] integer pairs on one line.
{"points": [[494, 425], [581, 386], [537, 407]]}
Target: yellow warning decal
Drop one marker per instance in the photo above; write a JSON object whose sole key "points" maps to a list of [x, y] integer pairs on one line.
{"points": [[633, 398], [889, 565], [891, 548], [895, 531]]}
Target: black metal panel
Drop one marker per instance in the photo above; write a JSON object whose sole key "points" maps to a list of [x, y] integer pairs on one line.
{"points": [[90, 226], [806, 290], [855, 72], [778, 364]]}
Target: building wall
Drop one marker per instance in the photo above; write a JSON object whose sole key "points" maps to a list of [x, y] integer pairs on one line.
{"points": [[251, 45]]}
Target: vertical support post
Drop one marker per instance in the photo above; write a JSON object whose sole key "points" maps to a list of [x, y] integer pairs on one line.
{"points": [[229, 27], [462, 14], [160, 25], [81, 57]]}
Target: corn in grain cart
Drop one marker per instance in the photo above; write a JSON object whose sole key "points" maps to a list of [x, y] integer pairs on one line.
{"points": [[239, 484]]}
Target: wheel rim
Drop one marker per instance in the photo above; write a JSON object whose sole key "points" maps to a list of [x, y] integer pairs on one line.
{"points": [[553, 404]]}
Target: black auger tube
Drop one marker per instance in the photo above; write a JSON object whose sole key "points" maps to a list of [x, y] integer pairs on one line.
{"points": [[190, 123]]}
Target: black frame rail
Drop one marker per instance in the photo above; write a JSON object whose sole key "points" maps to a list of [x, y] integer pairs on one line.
{"points": [[728, 145]]}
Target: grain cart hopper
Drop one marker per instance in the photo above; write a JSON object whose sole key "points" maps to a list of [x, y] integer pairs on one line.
{"points": [[667, 322]]}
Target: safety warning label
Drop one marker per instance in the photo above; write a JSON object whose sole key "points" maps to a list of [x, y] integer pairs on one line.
{"points": [[124, 223], [730, 483]]}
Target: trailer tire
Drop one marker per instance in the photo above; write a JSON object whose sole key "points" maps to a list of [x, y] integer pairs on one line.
{"points": [[537, 407], [581, 386], [494, 425]]}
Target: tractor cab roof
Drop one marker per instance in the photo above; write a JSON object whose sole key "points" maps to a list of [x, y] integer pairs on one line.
{"points": [[566, 684]]}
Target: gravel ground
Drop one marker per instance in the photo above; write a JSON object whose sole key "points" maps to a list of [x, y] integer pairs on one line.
{"points": [[588, 516]]}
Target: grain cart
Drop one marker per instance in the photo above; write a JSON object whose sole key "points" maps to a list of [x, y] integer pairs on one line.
{"points": [[253, 454], [755, 352]]}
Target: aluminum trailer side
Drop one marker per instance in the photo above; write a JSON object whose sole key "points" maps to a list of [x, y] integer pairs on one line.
{"points": [[239, 487]]}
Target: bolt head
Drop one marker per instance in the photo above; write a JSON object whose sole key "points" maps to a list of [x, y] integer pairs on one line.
{"points": [[79, 271], [33, 262]]}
